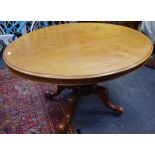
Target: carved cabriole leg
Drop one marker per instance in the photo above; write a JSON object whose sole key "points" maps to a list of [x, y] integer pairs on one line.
{"points": [[103, 94], [73, 99], [49, 94]]}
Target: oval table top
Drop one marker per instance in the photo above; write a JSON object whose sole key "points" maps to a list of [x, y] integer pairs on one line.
{"points": [[78, 51]]}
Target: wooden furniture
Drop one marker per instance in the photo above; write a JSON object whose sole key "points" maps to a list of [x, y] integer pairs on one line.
{"points": [[78, 56], [132, 24]]}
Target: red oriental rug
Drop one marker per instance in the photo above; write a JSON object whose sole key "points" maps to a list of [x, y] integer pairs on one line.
{"points": [[24, 109]]}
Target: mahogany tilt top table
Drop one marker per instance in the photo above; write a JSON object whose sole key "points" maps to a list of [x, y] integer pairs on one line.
{"points": [[78, 56]]}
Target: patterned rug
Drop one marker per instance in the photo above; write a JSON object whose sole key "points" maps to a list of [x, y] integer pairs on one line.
{"points": [[23, 108]]}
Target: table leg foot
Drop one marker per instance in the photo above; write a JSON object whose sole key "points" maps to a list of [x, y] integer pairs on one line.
{"points": [[103, 94], [50, 94], [78, 131], [62, 127]]}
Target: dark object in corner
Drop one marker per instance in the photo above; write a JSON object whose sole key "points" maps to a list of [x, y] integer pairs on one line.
{"points": [[151, 62], [2, 47]]}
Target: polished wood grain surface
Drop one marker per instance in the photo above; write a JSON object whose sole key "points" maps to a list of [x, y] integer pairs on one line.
{"points": [[78, 51]]}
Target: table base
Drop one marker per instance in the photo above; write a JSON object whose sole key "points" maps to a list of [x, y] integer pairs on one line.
{"points": [[77, 91]]}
